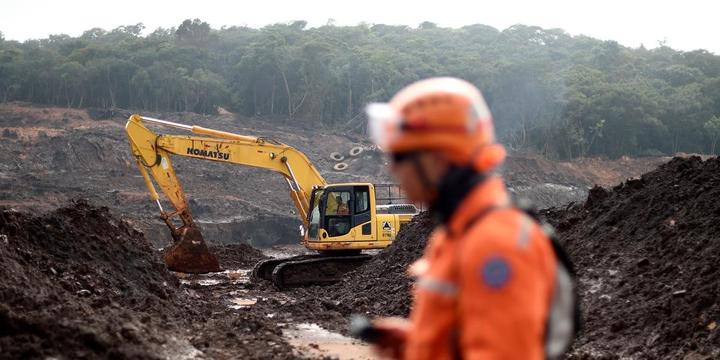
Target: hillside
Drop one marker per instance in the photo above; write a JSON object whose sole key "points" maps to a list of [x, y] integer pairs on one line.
{"points": [[51, 155]]}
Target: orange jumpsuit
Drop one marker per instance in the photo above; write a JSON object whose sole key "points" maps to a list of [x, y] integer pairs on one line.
{"points": [[484, 285]]}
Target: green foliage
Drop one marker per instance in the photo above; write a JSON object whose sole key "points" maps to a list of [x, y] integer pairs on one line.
{"points": [[565, 96]]}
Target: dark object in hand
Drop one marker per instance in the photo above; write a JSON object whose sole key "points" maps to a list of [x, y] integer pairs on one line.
{"points": [[362, 328]]}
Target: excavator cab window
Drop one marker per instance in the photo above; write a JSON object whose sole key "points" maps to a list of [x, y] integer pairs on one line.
{"points": [[338, 219], [314, 219], [362, 199], [338, 209]]}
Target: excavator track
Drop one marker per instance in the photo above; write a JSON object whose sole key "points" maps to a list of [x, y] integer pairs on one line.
{"points": [[306, 270], [264, 269]]}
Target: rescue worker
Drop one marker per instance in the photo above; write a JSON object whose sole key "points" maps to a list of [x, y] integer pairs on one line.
{"points": [[489, 285]]}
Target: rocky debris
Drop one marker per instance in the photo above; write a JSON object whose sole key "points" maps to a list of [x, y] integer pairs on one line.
{"points": [[647, 254], [80, 283]]}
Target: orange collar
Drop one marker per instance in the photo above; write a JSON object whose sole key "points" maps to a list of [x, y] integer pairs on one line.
{"points": [[490, 193]]}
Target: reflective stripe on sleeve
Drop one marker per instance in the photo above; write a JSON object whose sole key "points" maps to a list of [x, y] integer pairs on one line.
{"points": [[524, 236], [437, 286]]}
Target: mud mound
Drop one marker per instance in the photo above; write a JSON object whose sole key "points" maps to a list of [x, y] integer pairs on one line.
{"points": [[79, 283], [67, 274], [647, 253], [237, 256], [381, 286]]}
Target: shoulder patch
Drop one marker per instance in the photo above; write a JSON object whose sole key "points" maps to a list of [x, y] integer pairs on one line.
{"points": [[495, 272]]}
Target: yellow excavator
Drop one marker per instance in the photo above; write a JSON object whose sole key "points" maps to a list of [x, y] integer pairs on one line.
{"points": [[338, 220]]}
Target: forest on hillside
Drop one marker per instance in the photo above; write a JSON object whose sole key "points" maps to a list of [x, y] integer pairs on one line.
{"points": [[565, 96]]}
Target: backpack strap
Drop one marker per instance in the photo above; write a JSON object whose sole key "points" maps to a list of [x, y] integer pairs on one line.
{"points": [[565, 317]]}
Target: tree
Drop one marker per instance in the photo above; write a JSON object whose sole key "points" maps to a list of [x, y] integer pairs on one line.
{"points": [[73, 78], [194, 31], [566, 96], [712, 129]]}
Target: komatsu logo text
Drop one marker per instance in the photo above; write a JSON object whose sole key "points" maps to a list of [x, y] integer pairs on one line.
{"points": [[209, 154]]}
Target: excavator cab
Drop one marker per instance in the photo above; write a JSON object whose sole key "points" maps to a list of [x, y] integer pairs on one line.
{"points": [[344, 217], [335, 211]]}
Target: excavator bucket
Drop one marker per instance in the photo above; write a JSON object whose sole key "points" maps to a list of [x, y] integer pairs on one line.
{"points": [[190, 254]]}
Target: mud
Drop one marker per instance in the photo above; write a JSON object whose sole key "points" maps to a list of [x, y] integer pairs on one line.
{"points": [[237, 256], [647, 253], [262, 230], [380, 287], [80, 283], [318, 342]]}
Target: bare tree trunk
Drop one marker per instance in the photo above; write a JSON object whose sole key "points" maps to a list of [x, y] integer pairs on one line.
{"points": [[287, 92], [255, 111], [110, 90], [272, 98], [350, 104]]}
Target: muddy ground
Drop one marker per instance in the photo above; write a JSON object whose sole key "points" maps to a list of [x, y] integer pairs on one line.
{"points": [[647, 253], [380, 287], [99, 289], [80, 283]]}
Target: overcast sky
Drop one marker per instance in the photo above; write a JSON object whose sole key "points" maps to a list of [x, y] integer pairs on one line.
{"points": [[685, 24]]}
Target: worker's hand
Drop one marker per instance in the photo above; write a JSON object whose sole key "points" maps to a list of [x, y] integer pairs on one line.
{"points": [[391, 344]]}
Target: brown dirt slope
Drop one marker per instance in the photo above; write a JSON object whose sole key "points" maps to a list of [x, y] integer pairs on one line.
{"points": [[647, 253], [79, 283], [381, 286]]}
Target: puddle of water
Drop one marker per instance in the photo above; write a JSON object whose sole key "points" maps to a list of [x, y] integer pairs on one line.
{"points": [[239, 303], [312, 340], [283, 251], [227, 276], [208, 282]]}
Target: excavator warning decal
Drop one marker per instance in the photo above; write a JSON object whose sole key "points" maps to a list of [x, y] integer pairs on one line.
{"points": [[386, 226]]}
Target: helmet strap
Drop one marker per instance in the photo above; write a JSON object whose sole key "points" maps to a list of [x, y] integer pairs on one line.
{"points": [[452, 190]]}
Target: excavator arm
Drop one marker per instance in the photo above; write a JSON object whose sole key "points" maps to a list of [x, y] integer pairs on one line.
{"points": [[152, 152]]}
